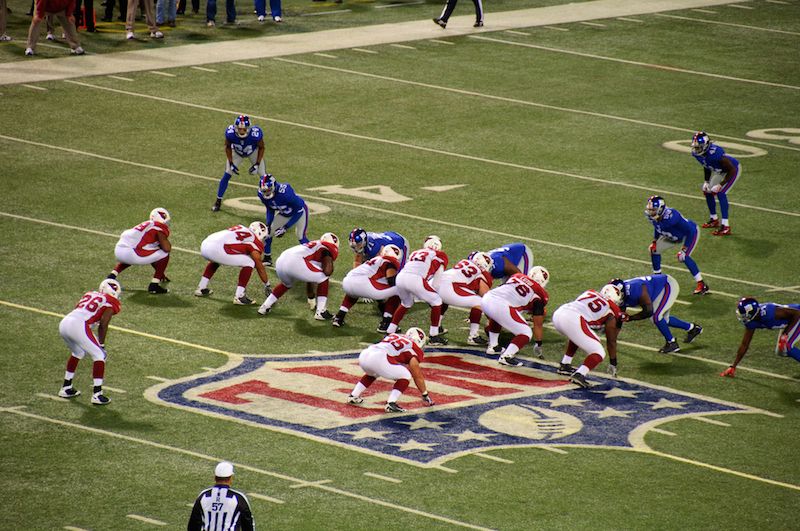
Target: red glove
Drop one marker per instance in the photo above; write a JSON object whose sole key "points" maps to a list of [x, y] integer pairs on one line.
{"points": [[653, 247], [783, 343], [730, 372]]}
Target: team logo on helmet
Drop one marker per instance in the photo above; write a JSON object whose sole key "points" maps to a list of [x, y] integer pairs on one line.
{"points": [[433, 242], [392, 251], [747, 309], [160, 215], [330, 237], [417, 336], [110, 286], [358, 239], [612, 293], [700, 143], [242, 125], [540, 275], [259, 229], [267, 186], [655, 207]]}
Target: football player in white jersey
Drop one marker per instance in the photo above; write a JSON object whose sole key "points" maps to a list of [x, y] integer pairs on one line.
{"points": [[375, 280], [237, 246], [504, 306], [577, 319], [94, 308], [397, 357], [146, 243], [414, 282], [463, 286], [309, 262]]}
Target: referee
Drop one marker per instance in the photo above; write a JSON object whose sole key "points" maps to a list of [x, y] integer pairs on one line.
{"points": [[221, 508], [442, 19]]}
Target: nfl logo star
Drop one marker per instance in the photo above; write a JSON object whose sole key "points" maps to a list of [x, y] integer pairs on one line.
{"points": [[480, 405]]}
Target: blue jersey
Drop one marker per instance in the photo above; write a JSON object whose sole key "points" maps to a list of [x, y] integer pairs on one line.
{"points": [[244, 147], [633, 288], [674, 227], [513, 251], [712, 159], [285, 202], [377, 240], [765, 318]]}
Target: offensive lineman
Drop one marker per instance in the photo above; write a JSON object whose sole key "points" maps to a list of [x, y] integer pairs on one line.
{"points": [[146, 243]]}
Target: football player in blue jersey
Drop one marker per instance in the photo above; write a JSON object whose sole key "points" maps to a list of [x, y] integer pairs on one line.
{"points": [[671, 228], [285, 209], [368, 245], [510, 259], [655, 295], [754, 315], [721, 172], [242, 141]]}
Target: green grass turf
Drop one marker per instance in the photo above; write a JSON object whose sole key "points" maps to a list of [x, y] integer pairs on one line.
{"points": [[58, 474]]}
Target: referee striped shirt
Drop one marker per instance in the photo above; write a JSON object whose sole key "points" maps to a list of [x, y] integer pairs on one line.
{"points": [[221, 508]]}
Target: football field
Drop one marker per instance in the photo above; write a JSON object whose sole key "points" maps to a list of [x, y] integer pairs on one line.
{"points": [[554, 136]]}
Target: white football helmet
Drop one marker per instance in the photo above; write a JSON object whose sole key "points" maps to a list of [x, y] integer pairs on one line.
{"points": [[330, 238], [161, 215], [259, 229], [432, 242], [417, 336], [391, 251], [111, 287], [540, 275], [483, 261], [611, 293]]}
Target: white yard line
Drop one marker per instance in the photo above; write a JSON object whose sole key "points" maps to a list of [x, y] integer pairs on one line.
{"points": [[402, 46], [114, 389], [329, 56], [740, 6], [663, 432], [165, 74], [552, 449], [781, 2], [71, 528], [556, 28], [707, 11], [146, 519], [120, 78], [402, 4], [515, 32], [731, 24], [636, 63], [382, 478], [34, 87], [363, 50], [440, 41], [265, 497], [626, 19], [248, 65], [491, 457], [157, 378], [789, 288], [322, 13], [203, 69], [594, 24], [712, 421]]}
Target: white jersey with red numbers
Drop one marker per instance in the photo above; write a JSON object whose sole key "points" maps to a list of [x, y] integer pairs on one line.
{"points": [[389, 359], [232, 247], [369, 279], [143, 238], [425, 263], [400, 349], [520, 292], [593, 307], [75, 327], [459, 286], [303, 262], [92, 305]]}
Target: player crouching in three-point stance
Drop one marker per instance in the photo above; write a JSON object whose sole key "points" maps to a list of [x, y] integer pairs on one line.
{"points": [[576, 319], [397, 357], [238, 246], [310, 262], [95, 307], [463, 286], [375, 280], [146, 243], [671, 228], [504, 306], [768, 315]]}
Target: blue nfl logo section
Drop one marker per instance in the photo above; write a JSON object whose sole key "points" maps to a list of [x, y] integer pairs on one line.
{"points": [[480, 405]]}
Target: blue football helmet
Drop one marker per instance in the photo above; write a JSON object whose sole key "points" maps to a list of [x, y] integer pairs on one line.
{"points": [[358, 239], [700, 143], [655, 207], [267, 186], [619, 283], [747, 309], [242, 125]]}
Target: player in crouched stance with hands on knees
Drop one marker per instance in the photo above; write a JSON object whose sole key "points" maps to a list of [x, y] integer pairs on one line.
{"points": [[576, 319], [397, 357]]}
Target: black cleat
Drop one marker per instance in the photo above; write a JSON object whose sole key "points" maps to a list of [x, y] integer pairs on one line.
{"points": [[566, 369], [205, 292], [694, 331], [497, 349], [437, 340], [68, 392], [155, 289], [669, 347], [338, 320], [579, 379], [267, 260], [99, 399], [478, 24], [392, 407], [244, 300], [217, 205], [477, 340], [511, 361], [440, 22], [383, 326], [112, 276], [323, 316]]}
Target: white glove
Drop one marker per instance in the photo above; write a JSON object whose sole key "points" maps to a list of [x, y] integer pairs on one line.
{"points": [[612, 370], [716, 188], [427, 399], [267, 288], [234, 168], [706, 187], [253, 169], [365, 300], [537, 349], [280, 231], [682, 255]]}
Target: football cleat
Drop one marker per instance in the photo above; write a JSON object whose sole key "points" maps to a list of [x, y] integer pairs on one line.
{"points": [[383, 326], [655, 207], [669, 347], [433, 243], [160, 215], [244, 300], [323, 316], [68, 392], [440, 22], [701, 289], [155, 289], [205, 292], [477, 340], [694, 331], [392, 407], [242, 125], [438, 340], [443, 330], [267, 260], [497, 349], [99, 399], [700, 143], [264, 310], [711, 223], [511, 361], [110, 286], [338, 320], [579, 379], [156, 35], [478, 24], [354, 399], [259, 230], [419, 338], [566, 369], [725, 230]]}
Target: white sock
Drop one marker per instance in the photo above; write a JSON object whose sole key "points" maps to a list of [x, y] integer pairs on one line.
{"points": [[566, 360], [322, 304], [698, 277], [394, 395], [473, 329], [724, 222], [239, 291], [583, 369], [713, 216], [69, 375], [358, 389], [203, 283], [343, 309], [494, 338], [155, 280], [433, 331], [392, 328], [97, 382]]}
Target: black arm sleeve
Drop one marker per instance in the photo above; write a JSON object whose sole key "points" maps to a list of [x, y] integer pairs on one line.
{"points": [[246, 518], [391, 280], [538, 307], [196, 518]]}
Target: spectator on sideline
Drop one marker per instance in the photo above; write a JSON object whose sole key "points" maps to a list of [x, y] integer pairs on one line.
{"points": [[85, 18], [148, 16], [450, 5], [274, 7], [220, 508], [182, 7], [3, 36], [211, 12], [62, 10], [123, 10], [166, 9]]}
